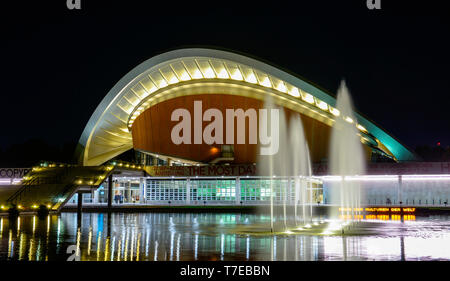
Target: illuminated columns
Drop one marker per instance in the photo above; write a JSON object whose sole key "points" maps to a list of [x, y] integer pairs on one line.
{"points": [[188, 191], [238, 191], [399, 189]]}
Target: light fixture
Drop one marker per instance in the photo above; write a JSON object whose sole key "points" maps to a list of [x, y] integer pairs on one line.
{"points": [[308, 98], [294, 92], [251, 78], [334, 111], [361, 128], [322, 105]]}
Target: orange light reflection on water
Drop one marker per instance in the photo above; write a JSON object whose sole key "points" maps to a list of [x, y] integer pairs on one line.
{"points": [[382, 217]]}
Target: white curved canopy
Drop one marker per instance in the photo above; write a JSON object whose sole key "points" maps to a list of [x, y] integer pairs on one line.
{"points": [[191, 71]]}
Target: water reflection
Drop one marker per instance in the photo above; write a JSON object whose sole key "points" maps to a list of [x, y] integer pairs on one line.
{"points": [[178, 236]]}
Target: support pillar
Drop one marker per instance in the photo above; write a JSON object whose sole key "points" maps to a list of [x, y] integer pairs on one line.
{"points": [[79, 209], [188, 191], [143, 196], [80, 202], [110, 191], [238, 191], [399, 189]]}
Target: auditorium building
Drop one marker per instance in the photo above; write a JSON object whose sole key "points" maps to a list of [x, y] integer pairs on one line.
{"points": [[188, 115]]}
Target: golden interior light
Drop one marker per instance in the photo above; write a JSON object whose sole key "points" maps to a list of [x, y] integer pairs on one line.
{"points": [[184, 76], [308, 98], [334, 111], [266, 82], [236, 75], [173, 80], [348, 119], [197, 74], [361, 128], [209, 73], [251, 78], [294, 92], [223, 74], [322, 105]]}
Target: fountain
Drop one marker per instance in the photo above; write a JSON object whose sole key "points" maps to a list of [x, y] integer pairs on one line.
{"points": [[346, 159], [289, 172]]}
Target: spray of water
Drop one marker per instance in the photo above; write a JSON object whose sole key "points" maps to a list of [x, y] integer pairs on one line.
{"points": [[346, 159], [289, 172]]}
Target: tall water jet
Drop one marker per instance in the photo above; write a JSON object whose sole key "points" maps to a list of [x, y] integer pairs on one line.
{"points": [[289, 172], [346, 158], [300, 167]]}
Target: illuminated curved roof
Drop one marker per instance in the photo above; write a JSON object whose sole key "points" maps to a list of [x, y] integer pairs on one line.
{"points": [[197, 70]]}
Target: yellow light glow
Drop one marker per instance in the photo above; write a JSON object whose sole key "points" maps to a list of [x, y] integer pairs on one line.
{"points": [[91, 182], [3, 207], [34, 206], [49, 206], [251, 78], [223, 74], [236, 75], [361, 128], [266, 82], [173, 80], [209, 73], [334, 111], [197, 74], [308, 98], [349, 120], [19, 207], [184, 76], [294, 92], [163, 83], [322, 105], [281, 87], [79, 181]]}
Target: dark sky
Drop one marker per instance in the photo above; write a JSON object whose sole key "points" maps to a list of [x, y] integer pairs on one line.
{"points": [[57, 64]]}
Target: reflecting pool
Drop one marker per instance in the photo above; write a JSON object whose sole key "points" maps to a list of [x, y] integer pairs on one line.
{"points": [[216, 236]]}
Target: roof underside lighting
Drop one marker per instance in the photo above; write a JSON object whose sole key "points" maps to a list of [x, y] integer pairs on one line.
{"points": [[187, 69]]}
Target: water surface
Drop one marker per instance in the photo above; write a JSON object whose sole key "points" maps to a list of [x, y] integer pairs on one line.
{"points": [[216, 236]]}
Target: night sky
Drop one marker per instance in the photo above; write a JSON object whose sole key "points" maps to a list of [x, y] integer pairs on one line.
{"points": [[58, 64]]}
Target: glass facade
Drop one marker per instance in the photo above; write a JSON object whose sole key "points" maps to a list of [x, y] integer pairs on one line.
{"points": [[213, 190], [198, 191], [166, 190]]}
